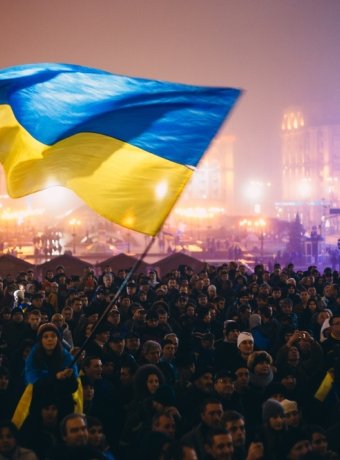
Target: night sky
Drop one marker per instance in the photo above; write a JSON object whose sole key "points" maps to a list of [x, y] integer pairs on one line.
{"points": [[281, 52]]}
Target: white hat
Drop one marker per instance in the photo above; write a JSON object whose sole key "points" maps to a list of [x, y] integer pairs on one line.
{"points": [[244, 336], [289, 406]]}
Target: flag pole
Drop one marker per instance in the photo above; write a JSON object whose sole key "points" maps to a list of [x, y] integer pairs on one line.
{"points": [[112, 302]]}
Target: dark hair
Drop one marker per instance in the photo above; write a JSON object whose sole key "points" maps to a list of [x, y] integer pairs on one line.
{"points": [[11, 427], [93, 421], [141, 377], [54, 362], [88, 359], [214, 432], [207, 401], [231, 416]]}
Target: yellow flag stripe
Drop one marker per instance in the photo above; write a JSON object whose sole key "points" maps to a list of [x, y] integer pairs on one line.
{"points": [[123, 183]]}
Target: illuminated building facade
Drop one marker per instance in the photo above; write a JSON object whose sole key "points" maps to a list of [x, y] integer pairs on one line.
{"points": [[310, 168], [210, 194]]}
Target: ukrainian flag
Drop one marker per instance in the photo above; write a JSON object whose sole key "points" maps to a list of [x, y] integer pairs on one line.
{"points": [[126, 146]]}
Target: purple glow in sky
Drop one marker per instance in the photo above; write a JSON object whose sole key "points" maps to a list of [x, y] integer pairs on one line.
{"points": [[281, 52]]}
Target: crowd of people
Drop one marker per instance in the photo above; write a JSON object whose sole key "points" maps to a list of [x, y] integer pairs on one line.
{"points": [[223, 364]]}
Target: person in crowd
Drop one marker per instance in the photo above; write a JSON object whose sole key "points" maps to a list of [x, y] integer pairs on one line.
{"points": [[224, 390], [296, 445], [75, 441], [319, 443], [226, 351], [10, 449], [219, 444], [273, 430], [50, 369], [211, 412], [235, 423], [97, 439], [135, 406]]}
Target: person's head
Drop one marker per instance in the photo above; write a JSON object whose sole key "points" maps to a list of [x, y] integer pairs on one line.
{"points": [[96, 437], [73, 430], [113, 316], [245, 344], [312, 304], [164, 422], [273, 415], [234, 422], [117, 344], [318, 439], [17, 315], [334, 323], [152, 319], [37, 301], [49, 338], [211, 412], [286, 307], [168, 350], [287, 376], [93, 368], [127, 373], [292, 413], [224, 383], [132, 342], [203, 379], [231, 331], [242, 376], [67, 313], [49, 414], [321, 316], [77, 305], [173, 338], [293, 355], [147, 380], [296, 444], [88, 388], [219, 444], [8, 438], [152, 383], [259, 363], [34, 319], [58, 320], [151, 351]]}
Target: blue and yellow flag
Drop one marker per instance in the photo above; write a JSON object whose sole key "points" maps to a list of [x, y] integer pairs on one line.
{"points": [[126, 146]]}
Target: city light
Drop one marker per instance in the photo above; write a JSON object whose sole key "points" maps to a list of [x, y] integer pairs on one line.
{"points": [[75, 223], [200, 212], [255, 191], [305, 187]]}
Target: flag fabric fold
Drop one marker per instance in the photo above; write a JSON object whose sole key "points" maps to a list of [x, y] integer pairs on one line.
{"points": [[126, 146]]}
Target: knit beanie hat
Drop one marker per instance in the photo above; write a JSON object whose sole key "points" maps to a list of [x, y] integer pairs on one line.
{"points": [[271, 408], [244, 336], [48, 327], [258, 357], [289, 406]]}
